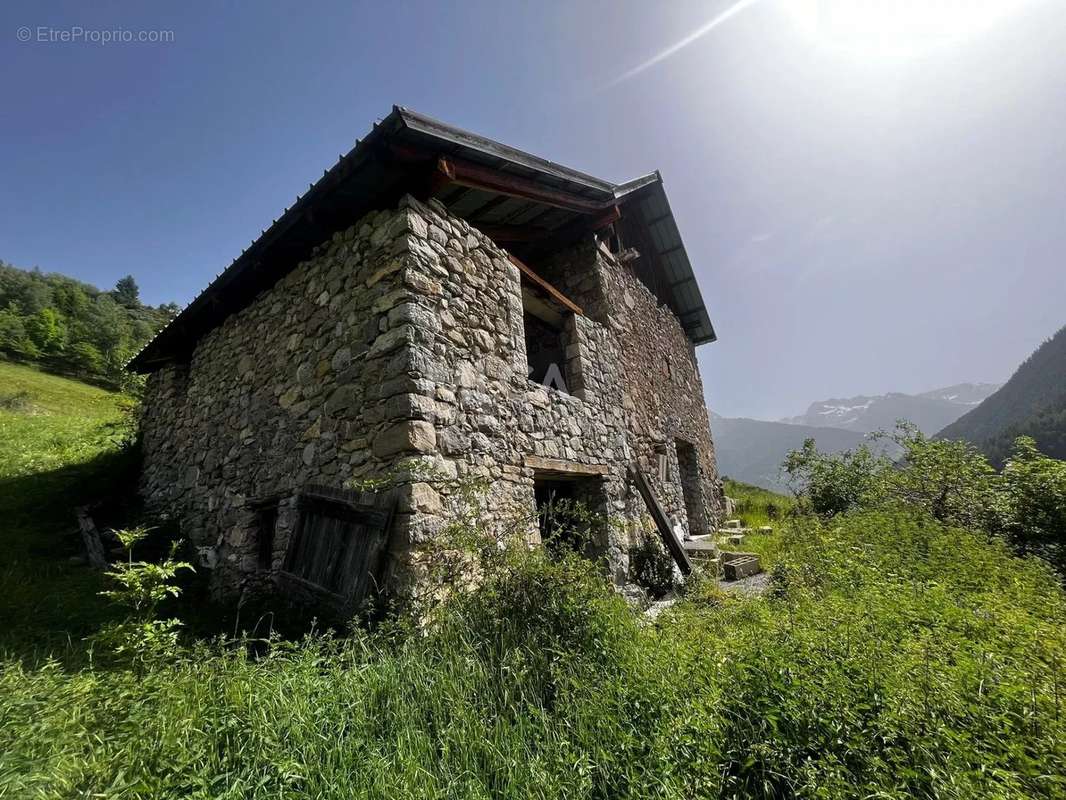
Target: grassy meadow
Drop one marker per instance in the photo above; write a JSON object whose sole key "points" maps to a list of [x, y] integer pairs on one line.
{"points": [[59, 447], [893, 657]]}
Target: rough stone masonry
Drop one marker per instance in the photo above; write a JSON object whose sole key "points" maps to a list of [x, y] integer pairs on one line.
{"points": [[402, 337], [413, 336]]}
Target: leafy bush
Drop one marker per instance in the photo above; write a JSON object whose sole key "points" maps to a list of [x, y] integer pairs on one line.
{"points": [[140, 586], [652, 567], [1035, 487], [951, 481], [833, 484]]}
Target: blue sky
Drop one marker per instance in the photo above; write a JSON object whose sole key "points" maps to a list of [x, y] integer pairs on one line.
{"points": [[857, 224]]}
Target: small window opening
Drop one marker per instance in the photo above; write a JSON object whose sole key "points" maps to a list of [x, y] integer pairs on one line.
{"points": [[664, 467], [545, 343]]}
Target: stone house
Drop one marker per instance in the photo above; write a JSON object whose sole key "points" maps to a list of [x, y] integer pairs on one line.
{"points": [[442, 297]]}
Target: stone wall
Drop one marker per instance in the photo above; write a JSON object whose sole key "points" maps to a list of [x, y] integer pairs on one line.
{"points": [[664, 398], [307, 384], [401, 338], [489, 416], [663, 393]]}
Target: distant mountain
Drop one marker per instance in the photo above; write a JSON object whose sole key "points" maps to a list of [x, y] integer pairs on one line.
{"points": [[1031, 403], [930, 411], [751, 450]]}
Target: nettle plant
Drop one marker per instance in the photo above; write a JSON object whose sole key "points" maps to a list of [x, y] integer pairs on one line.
{"points": [[139, 587]]}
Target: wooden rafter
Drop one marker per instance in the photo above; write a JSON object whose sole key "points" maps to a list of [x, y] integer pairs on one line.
{"points": [[476, 176], [550, 290], [512, 233]]}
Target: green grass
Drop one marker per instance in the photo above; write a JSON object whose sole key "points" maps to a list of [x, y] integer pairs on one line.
{"points": [[58, 449], [894, 658], [56, 422], [755, 508]]}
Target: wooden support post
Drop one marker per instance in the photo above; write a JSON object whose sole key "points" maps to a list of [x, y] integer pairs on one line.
{"points": [[662, 522], [94, 548]]}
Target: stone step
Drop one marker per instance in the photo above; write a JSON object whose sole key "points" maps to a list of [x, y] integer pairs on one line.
{"points": [[701, 548]]}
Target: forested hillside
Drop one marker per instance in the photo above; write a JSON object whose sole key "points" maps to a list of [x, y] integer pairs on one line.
{"points": [[1032, 403], [72, 327]]}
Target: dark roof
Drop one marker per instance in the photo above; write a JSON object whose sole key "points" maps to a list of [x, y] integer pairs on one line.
{"points": [[384, 166]]}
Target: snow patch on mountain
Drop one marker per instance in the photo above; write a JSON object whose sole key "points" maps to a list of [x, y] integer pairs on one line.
{"points": [[930, 411]]}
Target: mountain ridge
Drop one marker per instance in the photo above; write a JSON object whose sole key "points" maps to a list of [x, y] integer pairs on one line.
{"points": [[752, 450], [931, 411], [1031, 403]]}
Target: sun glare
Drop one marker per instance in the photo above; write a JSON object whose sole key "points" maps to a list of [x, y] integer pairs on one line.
{"points": [[897, 28]]}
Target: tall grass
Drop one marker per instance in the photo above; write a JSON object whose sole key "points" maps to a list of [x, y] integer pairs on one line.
{"points": [[895, 658], [756, 507]]}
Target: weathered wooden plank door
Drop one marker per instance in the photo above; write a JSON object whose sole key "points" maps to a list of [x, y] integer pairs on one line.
{"points": [[338, 544]]}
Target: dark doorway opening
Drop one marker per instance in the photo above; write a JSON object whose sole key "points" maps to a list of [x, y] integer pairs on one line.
{"points": [[571, 513], [688, 467]]}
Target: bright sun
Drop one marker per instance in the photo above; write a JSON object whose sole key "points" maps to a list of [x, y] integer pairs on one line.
{"points": [[897, 28]]}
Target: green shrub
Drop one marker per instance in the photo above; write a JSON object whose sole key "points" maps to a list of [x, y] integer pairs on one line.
{"points": [[951, 481], [139, 587], [834, 484], [1035, 487], [652, 567]]}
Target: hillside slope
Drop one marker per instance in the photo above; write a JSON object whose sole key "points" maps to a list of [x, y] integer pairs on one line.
{"points": [[58, 449], [930, 411], [1031, 403], [752, 450]]}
